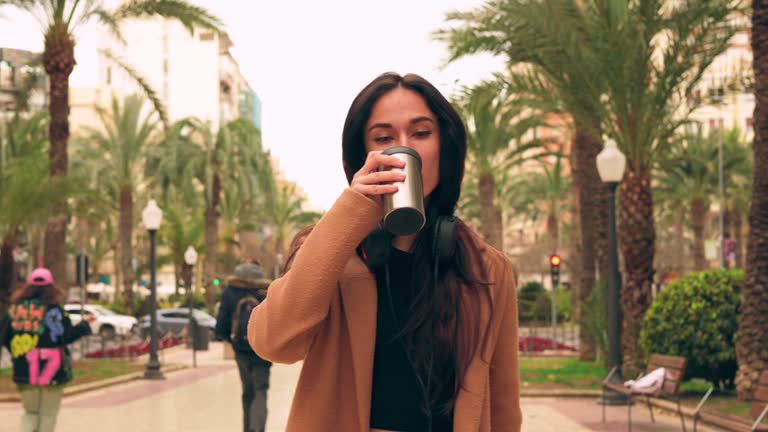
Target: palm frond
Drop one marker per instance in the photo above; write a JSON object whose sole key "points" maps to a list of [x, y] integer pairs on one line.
{"points": [[189, 15], [143, 84], [106, 18]]}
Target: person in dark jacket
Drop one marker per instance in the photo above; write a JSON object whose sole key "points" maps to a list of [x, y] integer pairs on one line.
{"points": [[248, 280], [36, 330]]}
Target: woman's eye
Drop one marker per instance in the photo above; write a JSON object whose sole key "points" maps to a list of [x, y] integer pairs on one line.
{"points": [[383, 140], [423, 134]]}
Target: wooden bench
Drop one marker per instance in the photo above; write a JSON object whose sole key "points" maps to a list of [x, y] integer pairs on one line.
{"points": [[759, 411], [675, 372]]}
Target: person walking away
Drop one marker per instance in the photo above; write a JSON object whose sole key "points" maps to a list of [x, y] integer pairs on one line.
{"points": [[36, 330], [244, 291]]}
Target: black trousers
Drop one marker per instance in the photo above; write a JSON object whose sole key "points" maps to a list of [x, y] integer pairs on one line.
{"points": [[254, 376]]}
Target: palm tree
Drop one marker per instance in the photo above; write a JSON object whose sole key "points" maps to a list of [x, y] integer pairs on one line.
{"points": [[27, 196], [286, 215], [655, 53], [687, 177], [231, 157], [544, 193], [753, 327], [688, 173], [495, 126], [118, 150], [620, 67], [737, 185], [60, 20], [550, 70], [182, 228]]}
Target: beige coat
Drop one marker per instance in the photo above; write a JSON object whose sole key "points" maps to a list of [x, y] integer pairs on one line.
{"points": [[323, 311]]}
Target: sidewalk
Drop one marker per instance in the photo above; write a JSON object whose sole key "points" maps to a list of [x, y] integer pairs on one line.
{"points": [[208, 399]]}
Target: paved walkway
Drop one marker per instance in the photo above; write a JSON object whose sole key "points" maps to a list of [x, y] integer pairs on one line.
{"points": [[208, 399]]}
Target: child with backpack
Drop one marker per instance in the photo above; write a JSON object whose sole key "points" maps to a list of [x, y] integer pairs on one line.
{"points": [[244, 291]]}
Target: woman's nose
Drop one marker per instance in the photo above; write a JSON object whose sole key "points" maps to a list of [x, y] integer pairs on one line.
{"points": [[406, 141]]}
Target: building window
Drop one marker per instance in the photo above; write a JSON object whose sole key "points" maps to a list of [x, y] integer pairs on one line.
{"points": [[165, 66], [109, 75]]}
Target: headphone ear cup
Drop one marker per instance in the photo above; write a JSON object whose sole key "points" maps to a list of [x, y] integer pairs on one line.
{"points": [[375, 247], [444, 241]]}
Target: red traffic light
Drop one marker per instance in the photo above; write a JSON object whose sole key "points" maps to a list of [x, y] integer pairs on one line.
{"points": [[555, 260]]}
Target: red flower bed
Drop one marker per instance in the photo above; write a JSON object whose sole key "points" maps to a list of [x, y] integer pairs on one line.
{"points": [[534, 343], [133, 350]]}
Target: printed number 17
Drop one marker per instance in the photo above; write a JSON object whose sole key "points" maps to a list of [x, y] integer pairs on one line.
{"points": [[53, 358]]}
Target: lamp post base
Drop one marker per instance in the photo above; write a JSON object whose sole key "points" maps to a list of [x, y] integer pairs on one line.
{"points": [[153, 372]]}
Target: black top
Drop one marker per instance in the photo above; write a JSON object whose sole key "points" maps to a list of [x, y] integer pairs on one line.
{"points": [[37, 335], [397, 399]]}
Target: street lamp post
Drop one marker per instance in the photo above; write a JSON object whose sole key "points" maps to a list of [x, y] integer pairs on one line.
{"points": [[190, 257], [611, 163], [152, 217]]}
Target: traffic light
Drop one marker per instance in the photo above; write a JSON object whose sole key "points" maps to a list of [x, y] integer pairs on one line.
{"points": [[554, 268], [216, 281]]}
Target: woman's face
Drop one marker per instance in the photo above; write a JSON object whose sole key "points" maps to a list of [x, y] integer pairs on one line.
{"points": [[401, 117]]}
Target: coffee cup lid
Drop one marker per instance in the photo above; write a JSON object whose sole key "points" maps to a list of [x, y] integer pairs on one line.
{"points": [[407, 150]]}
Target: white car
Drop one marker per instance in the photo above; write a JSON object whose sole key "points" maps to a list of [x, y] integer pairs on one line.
{"points": [[107, 323]]}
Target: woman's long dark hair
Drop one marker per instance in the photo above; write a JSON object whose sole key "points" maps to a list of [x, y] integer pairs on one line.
{"points": [[443, 330]]}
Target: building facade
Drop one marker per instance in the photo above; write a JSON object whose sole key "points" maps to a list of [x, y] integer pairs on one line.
{"points": [[193, 73], [22, 72]]}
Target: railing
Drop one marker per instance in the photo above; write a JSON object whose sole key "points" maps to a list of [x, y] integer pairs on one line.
{"points": [[537, 338]]}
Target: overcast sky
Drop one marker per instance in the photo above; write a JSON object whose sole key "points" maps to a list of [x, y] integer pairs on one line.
{"points": [[307, 60]]}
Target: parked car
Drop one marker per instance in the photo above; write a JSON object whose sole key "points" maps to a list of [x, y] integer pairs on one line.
{"points": [[176, 320], [107, 323]]}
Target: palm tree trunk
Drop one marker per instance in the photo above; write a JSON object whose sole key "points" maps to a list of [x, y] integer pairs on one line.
{"points": [[487, 192], [125, 233], [587, 180], [186, 275], [637, 238], [737, 222], [178, 276], [752, 342], [728, 216], [211, 241], [59, 61], [552, 230], [680, 242], [118, 282], [7, 272], [574, 254], [698, 219]]}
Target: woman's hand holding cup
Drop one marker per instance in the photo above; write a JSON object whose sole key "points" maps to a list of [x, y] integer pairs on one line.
{"points": [[373, 182]]}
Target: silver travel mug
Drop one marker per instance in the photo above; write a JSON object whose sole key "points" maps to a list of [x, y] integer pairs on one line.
{"points": [[404, 209]]}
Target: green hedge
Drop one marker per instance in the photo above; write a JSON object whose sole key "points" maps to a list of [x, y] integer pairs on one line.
{"points": [[697, 317], [535, 304]]}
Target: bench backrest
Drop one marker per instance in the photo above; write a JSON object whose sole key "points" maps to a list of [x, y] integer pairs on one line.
{"points": [[675, 367], [760, 398]]}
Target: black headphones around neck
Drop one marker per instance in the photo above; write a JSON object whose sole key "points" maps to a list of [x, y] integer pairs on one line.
{"points": [[375, 249]]}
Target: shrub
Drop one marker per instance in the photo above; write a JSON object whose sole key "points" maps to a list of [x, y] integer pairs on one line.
{"points": [[535, 304], [697, 317], [529, 299]]}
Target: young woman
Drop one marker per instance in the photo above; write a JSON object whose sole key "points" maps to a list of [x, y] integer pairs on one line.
{"points": [[36, 331], [415, 343]]}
